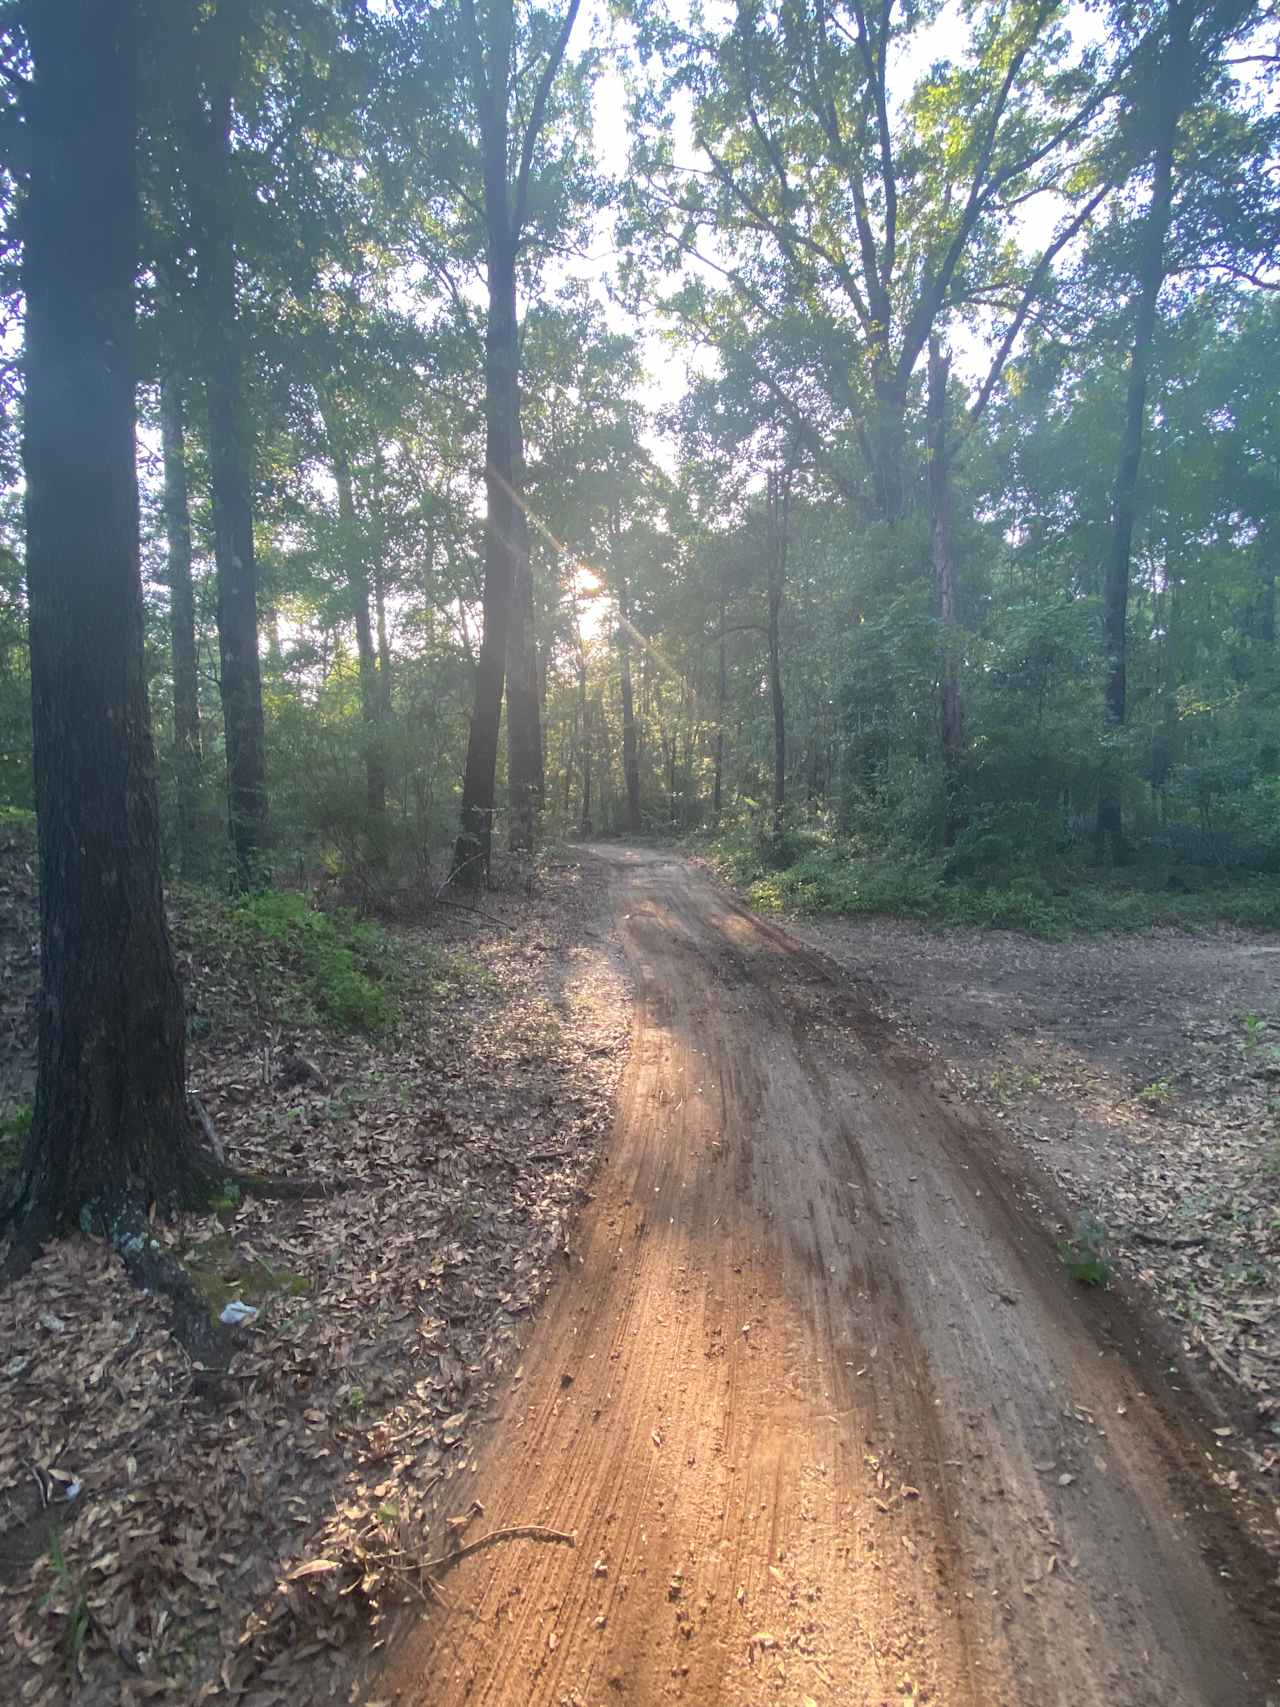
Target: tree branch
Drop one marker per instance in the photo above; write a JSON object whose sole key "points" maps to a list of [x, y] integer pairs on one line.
{"points": [[536, 117]]}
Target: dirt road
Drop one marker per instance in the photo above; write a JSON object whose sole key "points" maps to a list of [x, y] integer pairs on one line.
{"points": [[824, 1412]]}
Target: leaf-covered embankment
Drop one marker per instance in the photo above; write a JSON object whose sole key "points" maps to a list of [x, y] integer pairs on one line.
{"points": [[217, 1537]]}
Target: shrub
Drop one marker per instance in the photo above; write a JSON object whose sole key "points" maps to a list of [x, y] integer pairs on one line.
{"points": [[338, 959]]}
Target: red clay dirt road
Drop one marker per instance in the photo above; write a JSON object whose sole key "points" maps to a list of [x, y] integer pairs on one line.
{"points": [[826, 1415]]}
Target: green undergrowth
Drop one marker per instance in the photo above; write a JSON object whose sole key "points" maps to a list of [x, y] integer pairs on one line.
{"points": [[297, 964], [826, 873]]}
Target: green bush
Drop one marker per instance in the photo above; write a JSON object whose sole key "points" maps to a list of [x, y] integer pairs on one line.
{"points": [[1009, 871], [338, 958]]}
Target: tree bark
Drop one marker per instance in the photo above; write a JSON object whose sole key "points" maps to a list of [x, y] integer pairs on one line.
{"points": [[526, 780], [942, 534], [582, 728], [475, 842], [630, 746], [1168, 104], [110, 1132], [721, 695], [230, 468], [506, 534], [778, 500], [182, 631], [586, 825], [887, 448]]}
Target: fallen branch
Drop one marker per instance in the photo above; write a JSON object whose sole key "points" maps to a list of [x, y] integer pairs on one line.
{"points": [[285, 1185], [1165, 1243], [472, 912], [520, 1532], [1216, 1357]]}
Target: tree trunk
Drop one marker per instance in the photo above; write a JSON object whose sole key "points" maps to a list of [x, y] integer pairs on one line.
{"points": [[526, 779], [1168, 104], [630, 746], [475, 841], [721, 693], [110, 1132], [370, 693], [230, 466], [942, 534], [888, 448], [630, 741], [778, 498], [182, 632], [506, 566], [586, 826], [1265, 546]]}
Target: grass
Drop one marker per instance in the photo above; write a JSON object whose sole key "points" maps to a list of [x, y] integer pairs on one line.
{"points": [[1084, 1255], [821, 872], [304, 965]]}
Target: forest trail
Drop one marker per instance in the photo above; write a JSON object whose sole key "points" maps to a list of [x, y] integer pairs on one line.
{"points": [[828, 1419]]}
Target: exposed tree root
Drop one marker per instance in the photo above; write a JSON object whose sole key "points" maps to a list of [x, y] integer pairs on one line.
{"points": [[126, 1223], [284, 1185]]}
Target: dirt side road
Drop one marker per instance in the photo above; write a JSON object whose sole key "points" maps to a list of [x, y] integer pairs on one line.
{"points": [[826, 1416]]}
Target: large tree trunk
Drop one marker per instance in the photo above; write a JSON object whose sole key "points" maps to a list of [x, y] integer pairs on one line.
{"points": [[230, 468], [366, 653], [887, 448], [778, 499], [721, 695], [1168, 106], [506, 539], [475, 842], [110, 1133], [182, 632], [942, 534], [526, 780]]}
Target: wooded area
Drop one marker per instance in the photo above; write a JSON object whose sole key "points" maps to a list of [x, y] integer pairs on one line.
{"points": [[842, 439], [962, 534], [953, 562]]}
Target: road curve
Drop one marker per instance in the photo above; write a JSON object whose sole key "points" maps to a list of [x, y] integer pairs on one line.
{"points": [[828, 1419]]}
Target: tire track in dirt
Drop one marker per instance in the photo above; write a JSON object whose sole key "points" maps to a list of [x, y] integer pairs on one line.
{"points": [[823, 1412]]}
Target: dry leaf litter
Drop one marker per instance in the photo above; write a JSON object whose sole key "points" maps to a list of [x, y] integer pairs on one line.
{"points": [[162, 1543], [1141, 1074]]}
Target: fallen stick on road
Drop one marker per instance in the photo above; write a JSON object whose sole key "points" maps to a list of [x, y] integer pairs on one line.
{"points": [[521, 1531]]}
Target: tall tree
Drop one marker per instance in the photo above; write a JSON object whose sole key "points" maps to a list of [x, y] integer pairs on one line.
{"points": [[1179, 54], [830, 233], [1164, 100], [220, 47], [942, 542], [778, 519], [630, 745], [373, 705], [110, 1133], [187, 750], [507, 600]]}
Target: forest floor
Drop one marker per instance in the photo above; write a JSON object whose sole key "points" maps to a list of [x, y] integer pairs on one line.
{"points": [[167, 1537], [819, 1415], [815, 1411], [1141, 1074]]}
